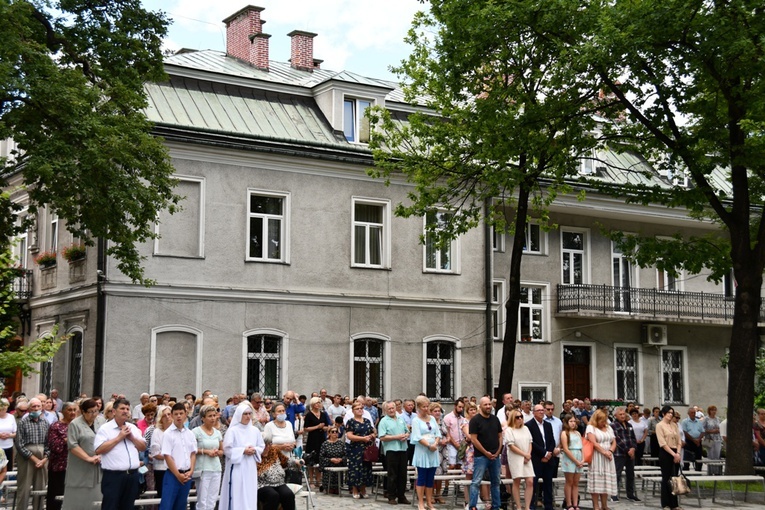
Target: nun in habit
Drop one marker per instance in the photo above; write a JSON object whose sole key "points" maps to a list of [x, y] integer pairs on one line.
{"points": [[242, 445]]}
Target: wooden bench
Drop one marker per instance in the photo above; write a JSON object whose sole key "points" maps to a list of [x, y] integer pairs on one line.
{"points": [[745, 479], [340, 478]]}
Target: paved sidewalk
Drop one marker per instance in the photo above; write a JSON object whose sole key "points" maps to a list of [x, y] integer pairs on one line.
{"points": [[325, 502]]}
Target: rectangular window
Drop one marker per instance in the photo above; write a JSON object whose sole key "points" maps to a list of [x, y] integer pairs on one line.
{"points": [[574, 257], [439, 364], [666, 281], [622, 277], [673, 376], [498, 240], [370, 235], [531, 314], [627, 374], [729, 285], [534, 243], [355, 124], [368, 367], [267, 228], [534, 392], [439, 258], [53, 234], [263, 359], [498, 309]]}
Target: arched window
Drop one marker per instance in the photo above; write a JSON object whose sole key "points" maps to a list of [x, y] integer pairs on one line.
{"points": [[176, 359], [263, 367], [75, 365], [368, 367]]}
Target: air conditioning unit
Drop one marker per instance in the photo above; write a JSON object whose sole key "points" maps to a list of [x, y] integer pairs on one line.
{"points": [[654, 334]]}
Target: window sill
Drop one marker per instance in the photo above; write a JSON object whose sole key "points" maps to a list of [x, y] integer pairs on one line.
{"points": [[435, 271], [169, 256], [375, 268], [266, 261]]}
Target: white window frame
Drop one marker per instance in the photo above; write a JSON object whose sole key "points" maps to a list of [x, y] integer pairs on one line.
{"points": [[686, 389], [456, 362], [585, 252], [285, 225], [153, 353], [386, 359], [638, 371], [284, 351], [664, 276], [201, 248], [545, 287], [587, 164], [53, 225], [542, 239], [454, 249], [498, 308], [497, 240], [385, 256], [533, 384], [358, 117]]}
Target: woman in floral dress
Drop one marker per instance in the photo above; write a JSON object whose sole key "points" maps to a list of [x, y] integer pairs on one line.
{"points": [[601, 476], [361, 433]]}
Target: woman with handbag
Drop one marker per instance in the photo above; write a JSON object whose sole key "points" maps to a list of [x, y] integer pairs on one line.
{"points": [[670, 442], [425, 438], [601, 477], [361, 434]]}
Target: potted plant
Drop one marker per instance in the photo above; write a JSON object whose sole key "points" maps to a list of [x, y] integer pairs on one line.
{"points": [[46, 259], [73, 252]]}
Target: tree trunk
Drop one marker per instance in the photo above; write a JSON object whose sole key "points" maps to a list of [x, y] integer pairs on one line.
{"points": [[741, 366], [510, 340]]}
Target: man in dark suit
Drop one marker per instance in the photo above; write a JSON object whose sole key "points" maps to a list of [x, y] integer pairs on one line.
{"points": [[542, 452]]}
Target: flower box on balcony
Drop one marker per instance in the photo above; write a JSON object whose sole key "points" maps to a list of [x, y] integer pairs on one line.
{"points": [[46, 259], [74, 252]]}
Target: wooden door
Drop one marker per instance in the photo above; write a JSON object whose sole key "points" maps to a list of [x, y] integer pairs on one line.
{"points": [[576, 371]]}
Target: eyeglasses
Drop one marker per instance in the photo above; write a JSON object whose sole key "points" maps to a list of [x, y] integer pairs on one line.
{"points": [[258, 401], [333, 432], [268, 403], [519, 417], [550, 409]]}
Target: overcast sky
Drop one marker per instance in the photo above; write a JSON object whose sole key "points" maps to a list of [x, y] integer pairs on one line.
{"points": [[363, 36]]}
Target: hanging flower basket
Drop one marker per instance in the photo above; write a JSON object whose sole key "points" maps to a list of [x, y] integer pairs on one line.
{"points": [[46, 259], [74, 252]]}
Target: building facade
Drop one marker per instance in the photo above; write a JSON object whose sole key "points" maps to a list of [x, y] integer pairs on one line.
{"points": [[287, 269]]}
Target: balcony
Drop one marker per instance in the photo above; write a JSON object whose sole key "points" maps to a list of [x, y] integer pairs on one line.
{"points": [[645, 303], [23, 284]]}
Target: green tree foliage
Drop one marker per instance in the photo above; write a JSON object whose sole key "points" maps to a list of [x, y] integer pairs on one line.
{"points": [[507, 120], [71, 96]]}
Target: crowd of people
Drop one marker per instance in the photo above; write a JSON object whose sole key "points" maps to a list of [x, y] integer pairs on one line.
{"points": [[247, 449]]}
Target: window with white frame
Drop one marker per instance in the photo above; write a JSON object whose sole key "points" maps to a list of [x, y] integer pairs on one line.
{"points": [[497, 240], [622, 275], [368, 367], [439, 258], [370, 235], [22, 250], [439, 370], [498, 309], [673, 376], [534, 392], [531, 319], [667, 282], [267, 226], [355, 123], [53, 232], [263, 365], [535, 239], [574, 257], [587, 164], [627, 373]]}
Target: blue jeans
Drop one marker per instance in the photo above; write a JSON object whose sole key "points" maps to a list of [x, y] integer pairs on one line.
{"points": [[480, 465]]}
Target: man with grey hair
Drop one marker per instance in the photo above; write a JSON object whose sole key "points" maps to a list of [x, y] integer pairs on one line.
{"points": [[624, 456], [137, 412], [259, 415], [57, 402], [32, 446]]}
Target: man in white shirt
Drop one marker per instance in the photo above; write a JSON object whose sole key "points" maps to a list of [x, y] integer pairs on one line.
{"points": [[325, 399], [507, 402], [57, 402], [137, 412], [337, 408], [118, 442], [179, 447], [526, 410]]}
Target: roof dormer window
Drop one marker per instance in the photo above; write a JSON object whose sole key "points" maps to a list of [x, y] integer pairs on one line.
{"points": [[355, 124]]}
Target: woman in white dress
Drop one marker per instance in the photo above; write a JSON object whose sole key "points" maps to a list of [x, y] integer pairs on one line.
{"points": [[242, 446], [601, 476], [518, 442]]}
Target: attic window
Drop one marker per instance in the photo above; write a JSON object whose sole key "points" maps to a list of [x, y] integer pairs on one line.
{"points": [[355, 124]]}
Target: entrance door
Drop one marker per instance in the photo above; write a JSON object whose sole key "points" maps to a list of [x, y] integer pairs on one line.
{"points": [[576, 371]]}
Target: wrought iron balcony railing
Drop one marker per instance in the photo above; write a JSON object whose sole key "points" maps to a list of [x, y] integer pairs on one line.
{"points": [[608, 299], [23, 284]]}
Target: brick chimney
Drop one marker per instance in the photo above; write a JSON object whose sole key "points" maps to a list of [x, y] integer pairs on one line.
{"points": [[301, 56], [245, 39]]}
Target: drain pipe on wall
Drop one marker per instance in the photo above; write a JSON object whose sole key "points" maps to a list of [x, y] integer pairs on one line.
{"points": [[488, 263], [98, 365]]}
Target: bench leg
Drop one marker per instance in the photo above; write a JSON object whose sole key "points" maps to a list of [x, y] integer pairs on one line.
{"points": [[698, 493]]}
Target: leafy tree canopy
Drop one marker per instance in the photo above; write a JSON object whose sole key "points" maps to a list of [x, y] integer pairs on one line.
{"points": [[71, 97]]}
